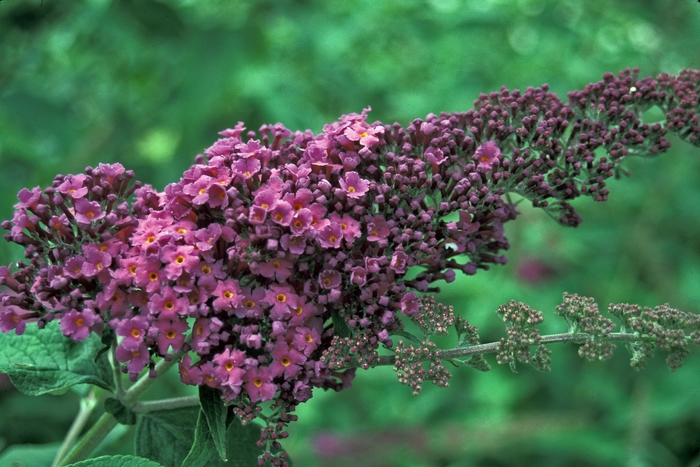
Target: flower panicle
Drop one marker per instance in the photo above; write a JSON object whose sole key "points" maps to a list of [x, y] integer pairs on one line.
{"points": [[279, 257]]}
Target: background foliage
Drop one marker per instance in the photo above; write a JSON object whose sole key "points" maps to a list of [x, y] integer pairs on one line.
{"points": [[149, 83]]}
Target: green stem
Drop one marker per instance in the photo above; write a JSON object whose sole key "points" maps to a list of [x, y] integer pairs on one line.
{"points": [[99, 431], [166, 404], [87, 405], [492, 347], [106, 423], [117, 374]]}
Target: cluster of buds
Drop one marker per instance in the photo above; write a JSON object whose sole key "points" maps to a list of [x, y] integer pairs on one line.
{"points": [[661, 327], [416, 364], [583, 317], [521, 334], [280, 261]]}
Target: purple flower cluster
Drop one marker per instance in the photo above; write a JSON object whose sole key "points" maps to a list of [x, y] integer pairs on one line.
{"points": [[276, 249]]}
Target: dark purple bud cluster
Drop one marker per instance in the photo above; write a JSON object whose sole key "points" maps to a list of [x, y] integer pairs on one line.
{"points": [[434, 318], [583, 317], [416, 364], [521, 333], [467, 336], [350, 352], [280, 259], [72, 232], [662, 327]]}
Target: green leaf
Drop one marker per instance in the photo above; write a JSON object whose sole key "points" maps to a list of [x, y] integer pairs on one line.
{"points": [[165, 436], [215, 412], [108, 338], [243, 439], [476, 362], [339, 325], [120, 412], [407, 335], [42, 361], [116, 461], [203, 447], [29, 455]]}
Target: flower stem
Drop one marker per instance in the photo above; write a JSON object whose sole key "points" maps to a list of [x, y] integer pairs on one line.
{"points": [[492, 347], [106, 423], [99, 431], [166, 404], [87, 405]]}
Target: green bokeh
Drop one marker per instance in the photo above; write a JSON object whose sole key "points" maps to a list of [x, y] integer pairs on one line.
{"points": [[150, 83]]}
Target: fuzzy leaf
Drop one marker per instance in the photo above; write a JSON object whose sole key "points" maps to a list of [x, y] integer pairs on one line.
{"points": [[116, 461], [339, 325], [242, 439], [215, 412], [169, 437], [42, 361], [407, 335], [120, 412], [203, 447], [165, 436]]}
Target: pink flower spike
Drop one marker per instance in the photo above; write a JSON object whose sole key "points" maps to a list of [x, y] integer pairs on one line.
{"points": [[282, 299], [246, 168], [409, 304], [287, 360], [278, 268], [178, 259], [250, 304], [134, 332], [257, 215], [167, 304], [138, 358], [228, 295], [170, 334], [233, 132], [301, 221], [228, 367], [377, 229], [353, 185], [76, 325], [87, 211], [73, 186], [399, 261], [358, 276], [487, 154], [10, 319], [295, 244], [300, 199], [266, 199], [330, 279], [258, 384], [306, 340], [330, 236], [282, 213], [189, 374], [349, 226]]}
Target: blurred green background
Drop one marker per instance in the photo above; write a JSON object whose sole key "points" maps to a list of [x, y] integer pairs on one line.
{"points": [[149, 83]]}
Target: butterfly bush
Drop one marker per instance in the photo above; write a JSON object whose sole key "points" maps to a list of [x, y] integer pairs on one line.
{"points": [[282, 261]]}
